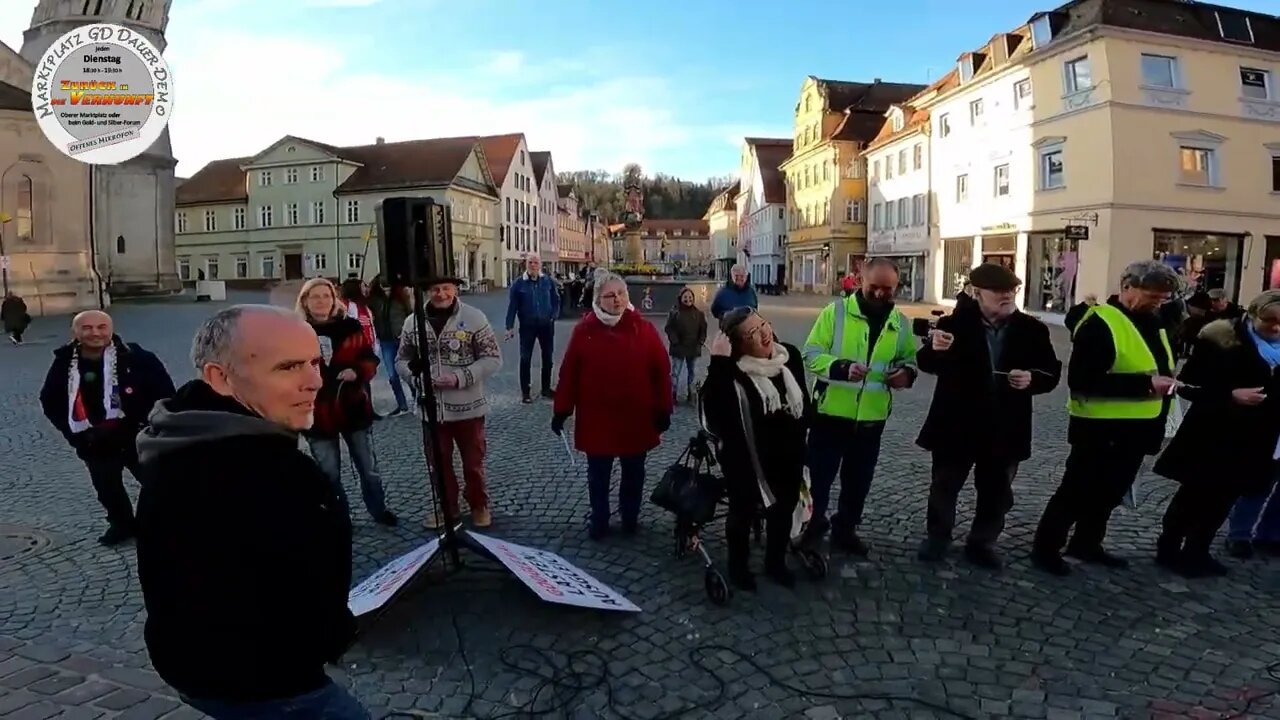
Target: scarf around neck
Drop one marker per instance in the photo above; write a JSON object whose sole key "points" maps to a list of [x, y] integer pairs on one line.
{"points": [[762, 371], [77, 414], [1268, 349], [606, 318]]}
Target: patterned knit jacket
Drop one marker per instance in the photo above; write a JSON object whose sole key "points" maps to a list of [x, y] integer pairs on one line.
{"points": [[468, 348]]}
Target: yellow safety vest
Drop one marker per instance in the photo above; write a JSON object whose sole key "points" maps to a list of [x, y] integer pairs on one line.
{"points": [[1133, 357], [842, 332]]}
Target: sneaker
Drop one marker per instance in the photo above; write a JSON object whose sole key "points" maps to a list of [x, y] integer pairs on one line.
{"points": [[549, 393], [526, 399], [933, 550], [984, 556], [386, 517], [1050, 562], [1097, 556], [116, 534], [398, 412], [1240, 549], [481, 517], [14, 340]]}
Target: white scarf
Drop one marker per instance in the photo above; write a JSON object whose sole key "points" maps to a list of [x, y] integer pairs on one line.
{"points": [[606, 318], [77, 416], [761, 371]]}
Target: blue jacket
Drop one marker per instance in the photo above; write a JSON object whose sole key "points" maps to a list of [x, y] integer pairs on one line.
{"points": [[731, 297], [533, 301]]}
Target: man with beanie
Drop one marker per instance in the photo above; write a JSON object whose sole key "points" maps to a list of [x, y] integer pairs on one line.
{"points": [[990, 359]]}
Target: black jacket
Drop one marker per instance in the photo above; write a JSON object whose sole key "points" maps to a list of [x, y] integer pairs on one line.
{"points": [[779, 437], [1093, 351], [143, 379], [244, 553], [1219, 440], [974, 413]]}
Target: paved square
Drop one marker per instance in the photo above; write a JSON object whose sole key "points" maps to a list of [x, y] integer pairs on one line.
{"points": [[1138, 644]]}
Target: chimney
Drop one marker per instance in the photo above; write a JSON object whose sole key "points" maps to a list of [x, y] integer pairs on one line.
{"points": [[877, 81], [380, 141]]}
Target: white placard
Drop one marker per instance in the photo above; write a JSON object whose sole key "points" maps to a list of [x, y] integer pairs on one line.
{"points": [[381, 586], [553, 578]]}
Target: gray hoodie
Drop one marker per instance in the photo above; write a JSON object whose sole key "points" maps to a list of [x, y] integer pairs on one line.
{"points": [[172, 429]]}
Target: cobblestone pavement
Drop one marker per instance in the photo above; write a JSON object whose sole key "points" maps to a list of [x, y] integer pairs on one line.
{"points": [[1015, 644]]}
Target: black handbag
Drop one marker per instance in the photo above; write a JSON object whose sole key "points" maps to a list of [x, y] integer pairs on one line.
{"points": [[688, 488]]}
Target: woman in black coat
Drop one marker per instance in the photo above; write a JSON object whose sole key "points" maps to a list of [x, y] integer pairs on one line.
{"points": [[1226, 446], [751, 369]]}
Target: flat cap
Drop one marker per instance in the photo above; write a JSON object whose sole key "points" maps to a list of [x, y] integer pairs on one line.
{"points": [[994, 277]]}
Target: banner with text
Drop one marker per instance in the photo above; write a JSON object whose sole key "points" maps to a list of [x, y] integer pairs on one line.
{"points": [[553, 578], [380, 587]]}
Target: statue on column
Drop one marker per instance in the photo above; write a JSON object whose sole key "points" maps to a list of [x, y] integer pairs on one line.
{"points": [[632, 217]]}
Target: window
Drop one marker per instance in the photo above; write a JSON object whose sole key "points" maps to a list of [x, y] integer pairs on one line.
{"points": [[264, 216], [1076, 75], [184, 269], [779, 213], [1041, 31], [1197, 166], [290, 176], [917, 156], [1022, 95], [238, 219], [320, 261], [1051, 174], [853, 211], [944, 125], [210, 221], [264, 178], [353, 211], [890, 215], [904, 212], [826, 172], [902, 162], [182, 222], [877, 216], [826, 214], [917, 210], [317, 173], [897, 121], [1234, 27], [354, 261], [508, 209], [962, 188], [1255, 84], [521, 157], [1275, 173], [317, 213], [242, 267], [1002, 180], [1159, 71], [268, 266], [119, 244], [875, 169], [291, 214], [888, 168], [211, 268], [975, 111], [966, 68], [26, 198]]}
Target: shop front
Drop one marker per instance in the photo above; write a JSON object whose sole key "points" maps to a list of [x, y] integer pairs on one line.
{"points": [[957, 261], [1053, 267], [810, 270], [1001, 250], [1205, 261], [1271, 270], [907, 248]]}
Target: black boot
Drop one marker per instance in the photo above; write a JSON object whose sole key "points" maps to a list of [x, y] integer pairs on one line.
{"points": [[737, 532], [1201, 565], [117, 533], [1169, 552]]}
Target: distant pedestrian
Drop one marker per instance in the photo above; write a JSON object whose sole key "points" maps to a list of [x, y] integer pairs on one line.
{"points": [[390, 308], [244, 547], [616, 378], [343, 408], [686, 333], [848, 284], [98, 394], [355, 299], [534, 300], [14, 316], [738, 292]]}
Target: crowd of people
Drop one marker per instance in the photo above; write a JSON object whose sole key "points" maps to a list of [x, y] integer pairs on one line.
{"points": [[235, 554]]}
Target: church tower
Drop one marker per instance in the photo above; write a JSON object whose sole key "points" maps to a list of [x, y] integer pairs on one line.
{"points": [[133, 202]]}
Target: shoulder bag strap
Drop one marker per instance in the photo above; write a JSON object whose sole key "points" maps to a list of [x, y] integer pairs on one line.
{"points": [[744, 409]]}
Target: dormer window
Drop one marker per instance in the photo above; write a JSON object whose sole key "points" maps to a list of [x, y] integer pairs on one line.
{"points": [[1234, 27], [966, 68], [897, 120], [1041, 31]]}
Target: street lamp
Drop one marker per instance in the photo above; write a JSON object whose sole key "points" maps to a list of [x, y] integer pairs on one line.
{"points": [[4, 259]]}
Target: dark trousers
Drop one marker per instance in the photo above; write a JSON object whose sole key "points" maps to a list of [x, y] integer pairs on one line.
{"points": [[630, 492], [837, 445], [1096, 479], [993, 484], [543, 333], [744, 506], [106, 471], [1195, 514]]}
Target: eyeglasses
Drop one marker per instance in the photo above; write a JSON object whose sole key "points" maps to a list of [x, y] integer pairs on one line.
{"points": [[613, 296]]}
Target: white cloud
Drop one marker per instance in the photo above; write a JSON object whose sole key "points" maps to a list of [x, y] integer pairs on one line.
{"points": [[505, 62]]}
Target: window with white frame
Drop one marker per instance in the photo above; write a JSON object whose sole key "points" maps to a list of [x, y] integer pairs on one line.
{"points": [[1196, 166], [184, 268], [1022, 94], [902, 162], [888, 168], [182, 222], [1052, 174], [264, 178], [320, 261], [918, 210], [210, 221], [897, 121], [962, 188], [890, 215], [975, 111], [290, 176], [291, 214], [1076, 75], [917, 156], [211, 268], [353, 211], [238, 218], [877, 216], [853, 211], [875, 169], [1255, 84], [268, 266], [265, 216], [317, 173], [317, 212], [242, 266], [1159, 71], [904, 212], [1001, 180], [1234, 26], [1041, 31], [354, 261], [944, 125], [826, 172]]}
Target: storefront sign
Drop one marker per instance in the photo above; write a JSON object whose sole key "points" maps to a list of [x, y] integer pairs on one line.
{"points": [[1000, 227], [1076, 232], [898, 242], [553, 578], [381, 586]]}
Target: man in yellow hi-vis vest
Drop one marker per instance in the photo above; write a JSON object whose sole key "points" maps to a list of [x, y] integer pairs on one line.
{"points": [[1121, 379], [860, 349]]}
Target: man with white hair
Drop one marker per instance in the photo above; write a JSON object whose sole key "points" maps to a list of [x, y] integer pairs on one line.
{"points": [[534, 300], [1121, 379], [243, 543], [98, 393], [738, 292]]}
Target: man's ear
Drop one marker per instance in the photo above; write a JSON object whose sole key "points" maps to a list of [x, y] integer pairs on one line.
{"points": [[217, 377]]}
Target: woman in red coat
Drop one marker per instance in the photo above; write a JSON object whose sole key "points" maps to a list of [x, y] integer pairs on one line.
{"points": [[616, 376]]}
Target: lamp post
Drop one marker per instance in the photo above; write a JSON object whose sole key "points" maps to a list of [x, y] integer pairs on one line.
{"points": [[4, 259]]}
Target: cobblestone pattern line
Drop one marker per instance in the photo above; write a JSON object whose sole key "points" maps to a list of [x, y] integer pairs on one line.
{"points": [[1015, 644]]}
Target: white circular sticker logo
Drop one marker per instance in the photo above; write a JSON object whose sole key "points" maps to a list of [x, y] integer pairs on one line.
{"points": [[102, 94]]}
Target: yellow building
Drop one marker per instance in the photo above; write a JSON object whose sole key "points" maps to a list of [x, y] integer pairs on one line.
{"points": [[826, 177], [722, 224]]}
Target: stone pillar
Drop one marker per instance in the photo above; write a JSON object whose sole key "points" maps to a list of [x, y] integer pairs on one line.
{"points": [[634, 247]]}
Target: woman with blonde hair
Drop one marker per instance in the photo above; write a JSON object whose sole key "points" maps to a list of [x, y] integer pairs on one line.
{"points": [[344, 408]]}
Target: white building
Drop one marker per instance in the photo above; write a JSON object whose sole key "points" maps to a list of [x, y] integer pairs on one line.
{"points": [[899, 193], [982, 164], [548, 228], [512, 171], [762, 209]]}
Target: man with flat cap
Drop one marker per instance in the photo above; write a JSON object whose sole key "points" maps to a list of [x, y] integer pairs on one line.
{"points": [[990, 359]]}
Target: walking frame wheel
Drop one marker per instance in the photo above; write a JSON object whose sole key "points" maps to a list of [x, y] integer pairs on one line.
{"points": [[717, 588], [814, 562]]}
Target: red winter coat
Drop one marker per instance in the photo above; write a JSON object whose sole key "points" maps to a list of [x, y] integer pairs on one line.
{"points": [[618, 381]]}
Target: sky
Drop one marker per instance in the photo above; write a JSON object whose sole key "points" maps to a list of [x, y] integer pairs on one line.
{"points": [[673, 85]]}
